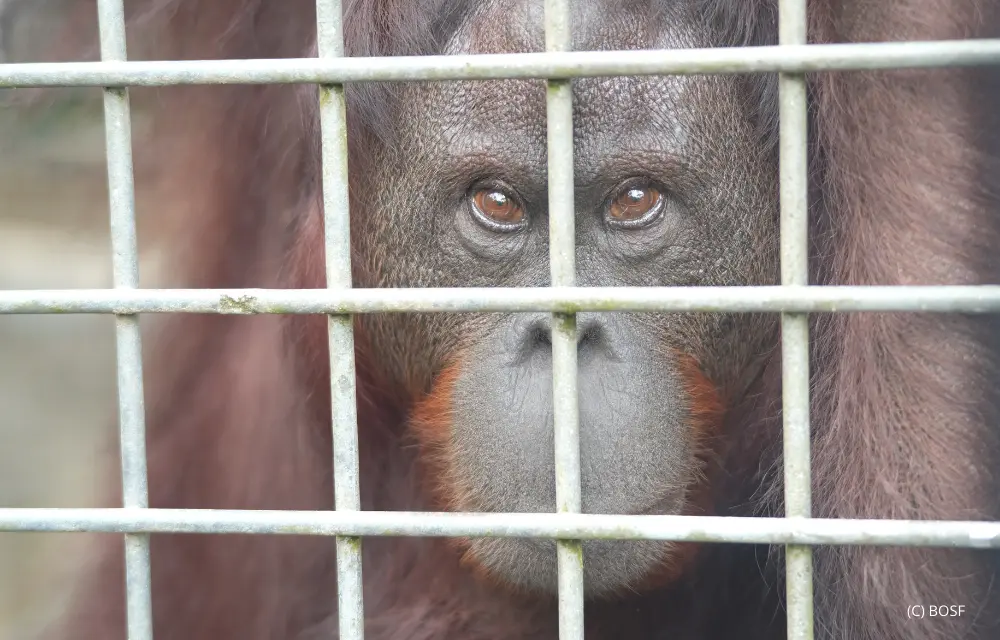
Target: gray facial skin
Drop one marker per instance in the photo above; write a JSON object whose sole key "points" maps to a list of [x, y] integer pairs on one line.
{"points": [[696, 141]]}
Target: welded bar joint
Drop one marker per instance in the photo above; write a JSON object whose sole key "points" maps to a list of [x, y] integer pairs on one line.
{"points": [[125, 274], [793, 161], [340, 329]]}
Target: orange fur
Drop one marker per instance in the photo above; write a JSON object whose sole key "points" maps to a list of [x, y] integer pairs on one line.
{"points": [[431, 424], [705, 405], [706, 410]]}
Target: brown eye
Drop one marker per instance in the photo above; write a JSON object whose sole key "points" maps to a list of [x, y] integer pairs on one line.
{"points": [[497, 209], [635, 206]]}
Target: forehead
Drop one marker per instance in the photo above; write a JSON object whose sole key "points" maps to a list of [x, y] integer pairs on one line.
{"points": [[511, 26], [619, 114]]}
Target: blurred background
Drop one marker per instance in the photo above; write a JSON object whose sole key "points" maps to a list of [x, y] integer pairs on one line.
{"points": [[57, 373]]}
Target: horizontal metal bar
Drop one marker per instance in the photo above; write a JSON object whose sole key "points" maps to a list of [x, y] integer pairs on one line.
{"points": [[812, 299], [552, 65], [805, 531]]}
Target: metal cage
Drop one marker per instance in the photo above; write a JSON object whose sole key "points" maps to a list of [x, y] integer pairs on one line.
{"points": [[794, 299]]}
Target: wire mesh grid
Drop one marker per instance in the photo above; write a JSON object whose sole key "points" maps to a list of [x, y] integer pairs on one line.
{"points": [[794, 299]]}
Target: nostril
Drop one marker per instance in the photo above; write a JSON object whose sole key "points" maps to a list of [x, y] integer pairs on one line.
{"points": [[536, 334], [540, 335], [589, 334]]}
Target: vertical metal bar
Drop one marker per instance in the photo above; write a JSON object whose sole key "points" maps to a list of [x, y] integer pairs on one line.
{"points": [[337, 225], [562, 248], [125, 270], [795, 326]]}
